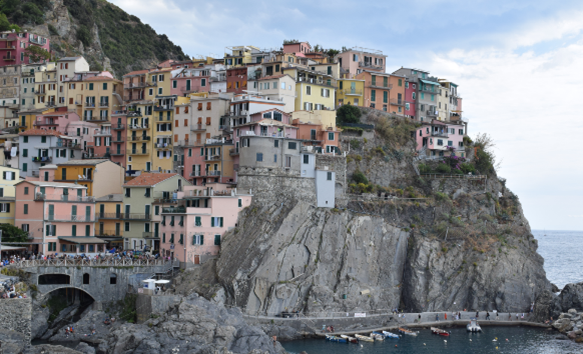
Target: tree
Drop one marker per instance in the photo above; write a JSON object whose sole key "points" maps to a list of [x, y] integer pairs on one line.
{"points": [[84, 35], [11, 233], [35, 54], [348, 114], [485, 159], [4, 24]]}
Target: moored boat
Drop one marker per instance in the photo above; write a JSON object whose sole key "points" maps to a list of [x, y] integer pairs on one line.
{"points": [[377, 336], [391, 335], [473, 326], [364, 338], [335, 339], [407, 331], [349, 338], [439, 331]]}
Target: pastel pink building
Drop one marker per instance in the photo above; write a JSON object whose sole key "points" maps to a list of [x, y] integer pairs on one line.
{"points": [[297, 47], [13, 45], [410, 98], [57, 120], [190, 80], [436, 137], [192, 231], [59, 217]]}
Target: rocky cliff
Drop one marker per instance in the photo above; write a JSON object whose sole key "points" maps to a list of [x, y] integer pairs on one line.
{"points": [[420, 243], [104, 34]]}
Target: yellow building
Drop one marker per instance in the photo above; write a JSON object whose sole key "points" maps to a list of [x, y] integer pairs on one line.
{"points": [[350, 91], [101, 177], [27, 118], [162, 79], [45, 87], [327, 119], [102, 97], [109, 212], [140, 125], [315, 90], [10, 176], [240, 55], [327, 68]]}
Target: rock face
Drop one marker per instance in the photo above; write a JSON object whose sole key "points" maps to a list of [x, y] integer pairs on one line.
{"points": [[116, 41], [464, 244], [194, 326], [549, 305], [571, 324]]}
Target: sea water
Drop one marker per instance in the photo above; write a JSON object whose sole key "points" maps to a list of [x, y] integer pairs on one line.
{"points": [[562, 253]]}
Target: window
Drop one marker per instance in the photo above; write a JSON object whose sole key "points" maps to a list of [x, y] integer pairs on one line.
{"points": [[373, 95], [112, 279], [329, 176], [259, 157], [449, 143], [240, 203], [217, 221], [385, 97], [160, 90], [217, 240], [407, 106], [198, 239], [147, 194], [105, 85], [181, 240], [127, 226], [292, 145], [439, 142], [43, 139], [275, 158], [25, 211], [197, 221], [24, 167], [25, 190], [306, 159], [308, 90], [174, 84], [91, 87], [331, 136], [128, 192], [461, 132], [276, 143]]}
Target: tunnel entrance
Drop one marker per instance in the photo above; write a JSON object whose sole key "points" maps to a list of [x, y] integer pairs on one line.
{"points": [[49, 279], [67, 305]]}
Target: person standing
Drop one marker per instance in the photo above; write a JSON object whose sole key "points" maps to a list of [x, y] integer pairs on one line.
{"points": [[445, 316], [488, 316], [477, 314], [436, 317]]}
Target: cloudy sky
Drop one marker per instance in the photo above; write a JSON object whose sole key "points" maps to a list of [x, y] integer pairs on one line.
{"points": [[518, 63]]}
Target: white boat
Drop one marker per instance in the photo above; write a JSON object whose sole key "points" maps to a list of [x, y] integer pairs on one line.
{"points": [[391, 335], [364, 338], [349, 338], [473, 326], [407, 331], [377, 336]]}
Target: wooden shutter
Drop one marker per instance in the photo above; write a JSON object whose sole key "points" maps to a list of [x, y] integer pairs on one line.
{"points": [[208, 105]]}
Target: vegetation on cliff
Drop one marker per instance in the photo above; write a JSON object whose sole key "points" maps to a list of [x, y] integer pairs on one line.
{"points": [[128, 43]]}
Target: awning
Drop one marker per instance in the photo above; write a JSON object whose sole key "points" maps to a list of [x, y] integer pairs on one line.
{"points": [[430, 82], [112, 239], [12, 248], [81, 239]]}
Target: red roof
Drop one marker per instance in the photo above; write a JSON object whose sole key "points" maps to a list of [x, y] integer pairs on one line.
{"points": [[139, 72], [150, 179], [31, 132], [100, 78], [272, 77]]}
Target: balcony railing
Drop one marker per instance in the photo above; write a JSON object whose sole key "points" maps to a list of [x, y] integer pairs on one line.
{"points": [[163, 145], [351, 92], [104, 104], [184, 143], [163, 107], [233, 152], [432, 113], [212, 157], [196, 174], [138, 84], [63, 198], [174, 210], [110, 233], [45, 123], [114, 216], [69, 144], [117, 153], [42, 159], [369, 65], [379, 86], [440, 134], [138, 152], [132, 216], [40, 92], [9, 58], [118, 126], [139, 138], [197, 127], [397, 102], [325, 82], [137, 126], [147, 234], [213, 173], [71, 218]]}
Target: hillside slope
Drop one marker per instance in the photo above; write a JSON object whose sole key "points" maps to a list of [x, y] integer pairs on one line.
{"points": [[108, 37]]}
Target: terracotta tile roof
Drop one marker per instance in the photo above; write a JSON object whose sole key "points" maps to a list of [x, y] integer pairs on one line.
{"points": [[138, 72], [272, 77], [150, 179], [32, 132]]}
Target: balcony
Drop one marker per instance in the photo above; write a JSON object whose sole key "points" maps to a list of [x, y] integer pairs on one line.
{"points": [[112, 216], [310, 80], [440, 134], [147, 234], [369, 65], [429, 88], [185, 89], [184, 143], [140, 84], [95, 119], [89, 105], [132, 98], [432, 113], [234, 152], [397, 102], [103, 104], [45, 123], [9, 58], [213, 173], [164, 107], [8, 48], [138, 126], [109, 233], [162, 146], [132, 216], [63, 198], [198, 127], [195, 174], [90, 155], [69, 144], [103, 133], [350, 92], [118, 153], [118, 126], [139, 138], [71, 218], [138, 152], [118, 140], [212, 157], [42, 159], [174, 210], [40, 92]]}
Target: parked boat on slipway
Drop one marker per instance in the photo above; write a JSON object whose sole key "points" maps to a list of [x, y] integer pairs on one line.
{"points": [[473, 326]]}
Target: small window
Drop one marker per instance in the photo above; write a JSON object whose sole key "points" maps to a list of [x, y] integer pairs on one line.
{"points": [[26, 190], [306, 159], [240, 203], [85, 278], [292, 145], [112, 279], [329, 176], [276, 143], [259, 157]]}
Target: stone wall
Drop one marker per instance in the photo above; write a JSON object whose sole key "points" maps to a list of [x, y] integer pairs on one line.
{"points": [[273, 183], [147, 305], [15, 315]]}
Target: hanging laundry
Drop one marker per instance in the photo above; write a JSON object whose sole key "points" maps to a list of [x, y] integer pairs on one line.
{"points": [[13, 151]]}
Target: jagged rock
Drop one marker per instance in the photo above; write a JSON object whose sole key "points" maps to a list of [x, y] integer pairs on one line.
{"points": [[555, 288], [563, 325], [39, 322], [85, 348], [572, 297]]}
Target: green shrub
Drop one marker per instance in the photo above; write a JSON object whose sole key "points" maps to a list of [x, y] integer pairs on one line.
{"points": [[467, 168], [359, 177], [355, 144], [348, 114], [441, 196], [443, 168], [357, 158], [423, 168], [84, 35], [52, 30]]}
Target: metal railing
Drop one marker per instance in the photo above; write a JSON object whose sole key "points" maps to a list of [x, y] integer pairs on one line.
{"points": [[71, 218], [117, 126], [397, 102], [139, 138], [117, 153], [63, 198], [110, 233], [196, 127], [138, 152], [138, 127], [96, 263], [351, 92]]}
